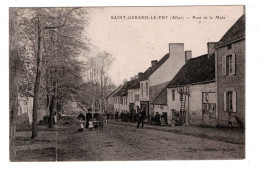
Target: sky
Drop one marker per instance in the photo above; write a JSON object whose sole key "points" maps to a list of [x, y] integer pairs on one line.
{"points": [[135, 42]]}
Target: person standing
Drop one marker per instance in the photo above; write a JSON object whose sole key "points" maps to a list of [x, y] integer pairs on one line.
{"points": [[141, 118], [116, 116], [88, 117], [101, 122]]}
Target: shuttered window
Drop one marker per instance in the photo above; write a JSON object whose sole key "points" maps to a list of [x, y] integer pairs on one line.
{"points": [[224, 68], [230, 104], [233, 64], [229, 65]]}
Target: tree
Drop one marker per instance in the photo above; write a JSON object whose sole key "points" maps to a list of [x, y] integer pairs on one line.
{"points": [[97, 68], [39, 25]]}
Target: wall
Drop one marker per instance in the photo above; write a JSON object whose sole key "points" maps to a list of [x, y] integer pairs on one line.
{"points": [[136, 102], [193, 104], [231, 83], [171, 66], [163, 108], [25, 110], [144, 97]]}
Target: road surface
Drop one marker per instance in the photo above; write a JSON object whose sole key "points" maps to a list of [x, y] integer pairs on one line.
{"points": [[123, 142]]}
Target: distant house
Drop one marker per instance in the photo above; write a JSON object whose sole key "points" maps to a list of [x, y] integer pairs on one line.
{"points": [[121, 98], [110, 100], [156, 77], [230, 75], [133, 95]]}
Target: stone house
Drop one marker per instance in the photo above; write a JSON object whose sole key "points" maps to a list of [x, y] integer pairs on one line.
{"points": [[230, 75], [191, 95]]}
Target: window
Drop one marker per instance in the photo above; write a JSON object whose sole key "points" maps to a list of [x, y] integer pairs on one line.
{"points": [[228, 65], [230, 101], [146, 85], [142, 89], [173, 94], [137, 97]]}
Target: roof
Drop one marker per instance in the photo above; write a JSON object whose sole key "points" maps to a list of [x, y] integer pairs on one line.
{"points": [[237, 31], [150, 70], [161, 98], [196, 70], [135, 84], [112, 93], [123, 90]]}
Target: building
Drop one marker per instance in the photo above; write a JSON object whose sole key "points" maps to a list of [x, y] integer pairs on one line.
{"points": [[156, 77], [159, 105], [110, 101], [230, 75], [133, 95], [121, 98], [191, 95]]}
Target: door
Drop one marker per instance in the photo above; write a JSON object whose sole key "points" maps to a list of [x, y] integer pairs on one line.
{"points": [[145, 106], [209, 108]]}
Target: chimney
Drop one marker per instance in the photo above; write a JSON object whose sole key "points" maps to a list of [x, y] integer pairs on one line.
{"points": [[211, 48], [132, 78], [188, 55], [153, 62], [136, 76], [140, 74]]}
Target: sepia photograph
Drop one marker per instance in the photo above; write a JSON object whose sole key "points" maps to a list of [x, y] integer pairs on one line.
{"points": [[127, 83]]}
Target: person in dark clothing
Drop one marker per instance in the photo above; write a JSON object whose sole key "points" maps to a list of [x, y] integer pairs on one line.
{"points": [[141, 118], [88, 117], [157, 119], [116, 116], [131, 117]]}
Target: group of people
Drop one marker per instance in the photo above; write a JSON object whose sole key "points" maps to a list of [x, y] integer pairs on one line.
{"points": [[96, 122], [134, 117]]}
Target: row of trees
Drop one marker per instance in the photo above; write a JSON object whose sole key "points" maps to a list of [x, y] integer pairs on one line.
{"points": [[45, 44]]}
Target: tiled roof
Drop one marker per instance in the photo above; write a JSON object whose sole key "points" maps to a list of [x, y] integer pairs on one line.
{"points": [[123, 90], [150, 70], [161, 98], [237, 31], [135, 84], [112, 93], [196, 70]]}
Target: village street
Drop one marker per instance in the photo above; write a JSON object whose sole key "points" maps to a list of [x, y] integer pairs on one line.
{"points": [[122, 141]]}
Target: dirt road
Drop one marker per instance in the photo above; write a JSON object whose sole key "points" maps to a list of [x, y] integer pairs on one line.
{"points": [[123, 142]]}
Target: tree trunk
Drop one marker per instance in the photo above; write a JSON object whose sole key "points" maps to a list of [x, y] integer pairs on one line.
{"points": [[13, 100], [37, 84], [51, 109]]}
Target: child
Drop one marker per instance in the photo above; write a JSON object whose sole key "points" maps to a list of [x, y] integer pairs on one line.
{"points": [[90, 124], [81, 125]]}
